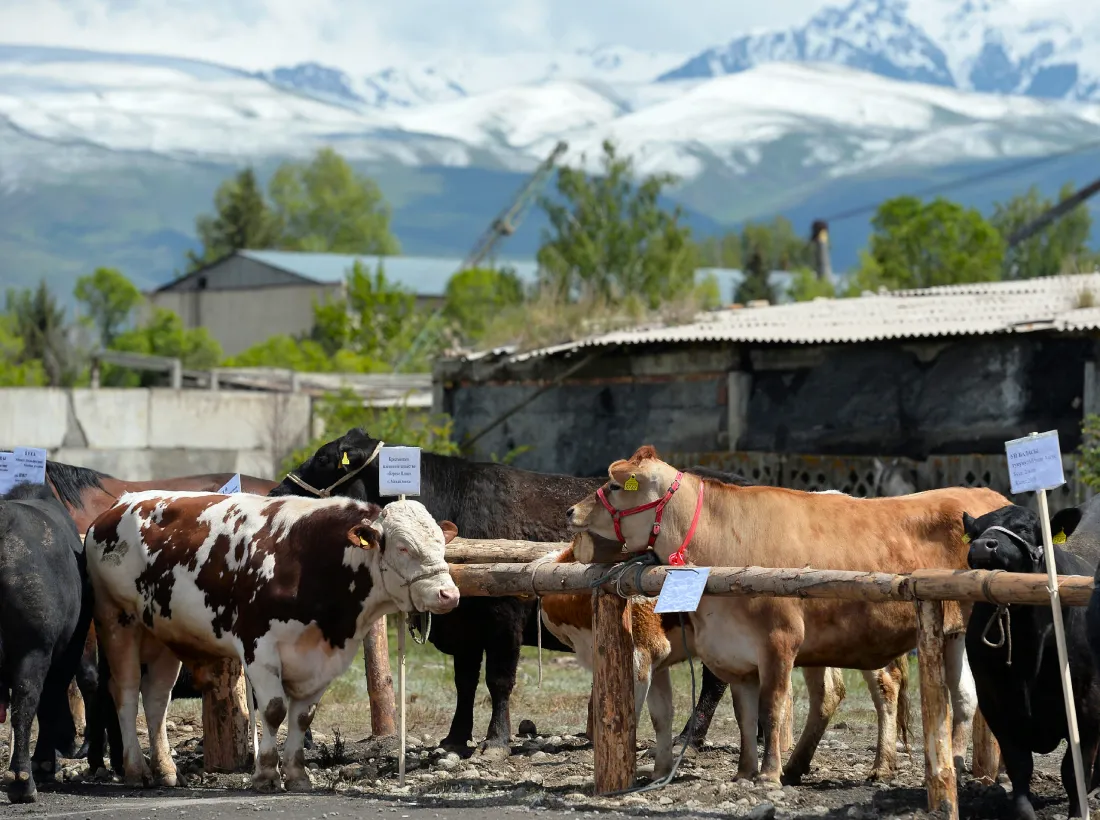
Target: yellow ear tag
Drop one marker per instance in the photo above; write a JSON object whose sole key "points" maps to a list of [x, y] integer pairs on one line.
{"points": [[1060, 538], [363, 542], [631, 483], [966, 538], [344, 461]]}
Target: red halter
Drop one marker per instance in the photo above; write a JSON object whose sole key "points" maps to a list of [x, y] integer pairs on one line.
{"points": [[677, 558]]}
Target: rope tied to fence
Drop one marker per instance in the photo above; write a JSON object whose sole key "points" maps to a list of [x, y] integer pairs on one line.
{"points": [[1003, 618], [533, 566]]}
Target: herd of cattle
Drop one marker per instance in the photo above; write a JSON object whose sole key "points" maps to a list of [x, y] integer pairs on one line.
{"points": [[288, 577]]}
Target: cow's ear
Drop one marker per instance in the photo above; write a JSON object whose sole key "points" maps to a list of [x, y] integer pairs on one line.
{"points": [[365, 536], [450, 531], [1064, 522], [970, 527]]}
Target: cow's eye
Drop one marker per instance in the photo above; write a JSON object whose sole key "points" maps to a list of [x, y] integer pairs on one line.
{"points": [[613, 487]]}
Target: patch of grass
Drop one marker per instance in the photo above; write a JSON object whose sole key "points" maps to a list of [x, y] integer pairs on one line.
{"points": [[335, 756]]}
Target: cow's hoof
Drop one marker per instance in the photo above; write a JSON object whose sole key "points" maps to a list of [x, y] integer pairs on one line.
{"points": [[167, 779], [301, 783], [880, 775], [81, 753], [494, 753], [22, 790], [266, 782], [768, 779], [460, 748]]}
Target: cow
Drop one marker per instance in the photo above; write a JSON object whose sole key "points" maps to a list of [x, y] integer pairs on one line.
{"points": [[659, 643], [287, 586], [45, 613], [1014, 657], [755, 643]]}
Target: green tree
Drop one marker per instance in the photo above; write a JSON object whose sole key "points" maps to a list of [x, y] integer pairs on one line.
{"points": [[916, 245], [610, 238], [16, 369], [806, 285], [475, 296], [721, 251], [1062, 243], [40, 323], [109, 299], [777, 243], [325, 206], [242, 220], [755, 285], [163, 334], [1088, 453]]}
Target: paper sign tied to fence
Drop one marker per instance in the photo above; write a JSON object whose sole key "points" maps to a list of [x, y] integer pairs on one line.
{"points": [[25, 464], [682, 590], [233, 485], [1035, 463], [399, 471]]}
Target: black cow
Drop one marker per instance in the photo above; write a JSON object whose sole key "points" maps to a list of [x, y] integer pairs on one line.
{"points": [[45, 613], [485, 500], [1020, 694]]}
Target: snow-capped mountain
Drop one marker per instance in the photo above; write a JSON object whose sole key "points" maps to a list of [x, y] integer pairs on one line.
{"points": [[997, 46]]}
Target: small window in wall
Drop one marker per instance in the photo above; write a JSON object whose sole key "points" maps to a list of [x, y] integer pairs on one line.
{"points": [[202, 283]]}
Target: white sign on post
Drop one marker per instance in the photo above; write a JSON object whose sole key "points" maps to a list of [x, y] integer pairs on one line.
{"points": [[1035, 463], [399, 471], [233, 485], [682, 589]]}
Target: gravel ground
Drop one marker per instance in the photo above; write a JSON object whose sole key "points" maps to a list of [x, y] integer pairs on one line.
{"points": [[549, 772]]}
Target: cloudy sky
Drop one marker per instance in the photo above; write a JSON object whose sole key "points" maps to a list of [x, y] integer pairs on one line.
{"points": [[361, 35], [365, 35]]}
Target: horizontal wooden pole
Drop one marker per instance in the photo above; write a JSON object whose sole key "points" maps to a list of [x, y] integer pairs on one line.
{"points": [[924, 585], [499, 551]]}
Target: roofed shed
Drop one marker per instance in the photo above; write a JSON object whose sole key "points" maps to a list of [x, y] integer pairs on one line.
{"points": [[917, 374]]}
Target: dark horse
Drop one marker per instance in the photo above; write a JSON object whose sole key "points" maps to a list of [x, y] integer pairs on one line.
{"points": [[86, 494]]}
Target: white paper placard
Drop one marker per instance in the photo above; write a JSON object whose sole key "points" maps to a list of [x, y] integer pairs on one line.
{"points": [[1035, 463], [233, 485], [399, 471], [7, 472], [30, 465], [682, 589]]}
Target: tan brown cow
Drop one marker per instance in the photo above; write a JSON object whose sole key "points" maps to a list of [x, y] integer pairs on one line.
{"points": [[659, 644], [755, 643]]}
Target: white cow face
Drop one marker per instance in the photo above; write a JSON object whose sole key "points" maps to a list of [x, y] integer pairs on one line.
{"points": [[412, 561]]}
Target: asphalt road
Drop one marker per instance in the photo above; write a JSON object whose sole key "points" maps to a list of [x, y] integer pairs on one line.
{"points": [[236, 807]]}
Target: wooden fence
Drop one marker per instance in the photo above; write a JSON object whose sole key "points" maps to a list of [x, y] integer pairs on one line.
{"points": [[495, 568]]}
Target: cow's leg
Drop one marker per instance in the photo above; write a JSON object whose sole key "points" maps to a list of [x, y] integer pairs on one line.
{"points": [[661, 712], [884, 693], [26, 683], [267, 684], [964, 697], [123, 651], [1019, 765], [746, 699], [775, 684], [825, 689], [56, 729], [1090, 738], [299, 719], [87, 683], [156, 693], [501, 662], [467, 677], [712, 691]]}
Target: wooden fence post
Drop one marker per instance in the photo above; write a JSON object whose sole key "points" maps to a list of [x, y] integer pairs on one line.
{"points": [[224, 718], [987, 754], [376, 659], [939, 762], [613, 745]]}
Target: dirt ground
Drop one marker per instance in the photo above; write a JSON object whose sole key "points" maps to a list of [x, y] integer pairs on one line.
{"points": [[549, 772]]}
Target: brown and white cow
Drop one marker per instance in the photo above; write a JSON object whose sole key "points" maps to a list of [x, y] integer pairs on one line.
{"points": [[287, 585], [754, 643]]}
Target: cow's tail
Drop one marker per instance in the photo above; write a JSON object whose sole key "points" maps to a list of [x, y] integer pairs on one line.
{"points": [[902, 666]]}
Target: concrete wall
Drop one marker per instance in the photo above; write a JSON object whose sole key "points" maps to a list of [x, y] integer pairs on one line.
{"points": [[890, 399], [239, 319], [142, 434]]}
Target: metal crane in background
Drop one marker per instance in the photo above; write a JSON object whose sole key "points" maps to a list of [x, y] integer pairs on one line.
{"points": [[508, 220], [503, 226]]}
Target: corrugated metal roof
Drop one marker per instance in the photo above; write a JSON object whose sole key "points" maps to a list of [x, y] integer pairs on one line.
{"points": [[1056, 303], [424, 275]]}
